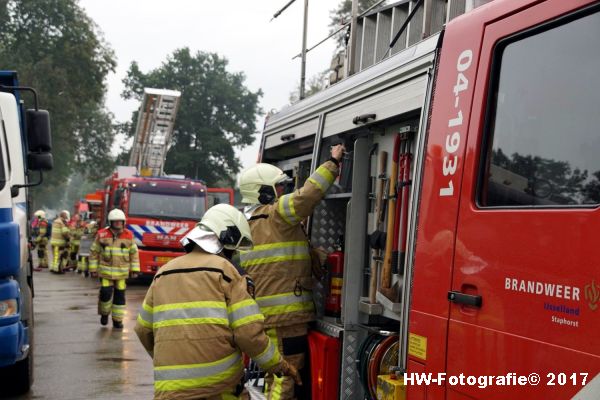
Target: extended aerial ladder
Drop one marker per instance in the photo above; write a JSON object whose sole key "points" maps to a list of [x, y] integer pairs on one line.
{"points": [[154, 130]]}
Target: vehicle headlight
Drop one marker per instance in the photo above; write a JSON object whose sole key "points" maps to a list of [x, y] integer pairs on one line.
{"points": [[8, 307]]}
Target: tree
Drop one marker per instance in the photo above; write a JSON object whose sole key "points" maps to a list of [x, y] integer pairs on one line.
{"points": [[57, 48], [217, 113], [314, 85]]}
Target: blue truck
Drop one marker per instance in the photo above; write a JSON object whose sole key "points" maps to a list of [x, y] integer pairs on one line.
{"points": [[25, 151]]}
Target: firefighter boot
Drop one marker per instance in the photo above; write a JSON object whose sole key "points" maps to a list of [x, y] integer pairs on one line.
{"points": [[104, 320], [117, 324]]}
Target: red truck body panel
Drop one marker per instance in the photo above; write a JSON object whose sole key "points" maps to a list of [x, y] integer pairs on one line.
{"points": [[524, 263]]}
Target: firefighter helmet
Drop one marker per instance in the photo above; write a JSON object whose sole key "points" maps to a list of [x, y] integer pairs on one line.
{"points": [[116, 215], [65, 214], [230, 226], [40, 214], [257, 183]]}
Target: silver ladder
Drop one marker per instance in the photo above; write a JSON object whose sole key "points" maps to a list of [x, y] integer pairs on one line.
{"points": [[154, 130]]}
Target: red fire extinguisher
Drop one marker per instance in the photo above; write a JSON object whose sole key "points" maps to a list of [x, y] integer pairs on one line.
{"points": [[335, 268]]}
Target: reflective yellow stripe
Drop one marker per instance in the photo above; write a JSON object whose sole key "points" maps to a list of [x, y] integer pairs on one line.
{"points": [[247, 320], [191, 304], [143, 322], [277, 245], [317, 184], [282, 211], [241, 304], [325, 173], [190, 321], [286, 209], [186, 384], [268, 260], [277, 310], [275, 252], [277, 387], [191, 376], [146, 307], [285, 303], [269, 357], [322, 178]]}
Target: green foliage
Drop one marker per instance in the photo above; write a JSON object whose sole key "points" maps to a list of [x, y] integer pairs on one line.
{"points": [[217, 113], [314, 85], [57, 49]]}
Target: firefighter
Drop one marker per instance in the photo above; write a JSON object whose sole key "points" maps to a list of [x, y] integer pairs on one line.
{"points": [[89, 233], [114, 258], [75, 231], [59, 241], [280, 261], [40, 238], [199, 316]]}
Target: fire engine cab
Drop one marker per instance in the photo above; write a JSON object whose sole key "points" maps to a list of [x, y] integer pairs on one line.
{"points": [[468, 199]]}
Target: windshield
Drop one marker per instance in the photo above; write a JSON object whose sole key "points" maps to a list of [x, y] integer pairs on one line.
{"points": [[166, 206]]}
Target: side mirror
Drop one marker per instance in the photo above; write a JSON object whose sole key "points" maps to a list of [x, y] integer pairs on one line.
{"points": [[39, 139], [40, 161]]}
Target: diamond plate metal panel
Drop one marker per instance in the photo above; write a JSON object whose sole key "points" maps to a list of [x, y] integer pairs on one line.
{"points": [[350, 387], [327, 225]]}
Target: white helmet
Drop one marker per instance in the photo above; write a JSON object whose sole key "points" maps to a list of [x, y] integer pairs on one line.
{"points": [[40, 214], [66, 214], [257, 183], [116, 215], [228, 225]]}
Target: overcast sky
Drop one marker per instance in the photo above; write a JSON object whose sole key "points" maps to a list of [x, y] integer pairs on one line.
{"points": [[149, 30]]}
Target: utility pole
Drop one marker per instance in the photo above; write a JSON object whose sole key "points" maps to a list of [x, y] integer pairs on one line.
{"points": [[352, 43], [303, 67]]}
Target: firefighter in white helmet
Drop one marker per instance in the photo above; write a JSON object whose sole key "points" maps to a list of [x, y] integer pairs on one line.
{"points": [[114, 257], [39, 237], [199, 316], [59, 241], [280, 262]]}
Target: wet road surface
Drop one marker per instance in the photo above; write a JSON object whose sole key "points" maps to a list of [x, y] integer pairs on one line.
{"points": [[77, 358]]}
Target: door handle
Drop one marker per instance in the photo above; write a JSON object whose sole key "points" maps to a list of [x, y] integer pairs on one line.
{"points": [[467, 299]]}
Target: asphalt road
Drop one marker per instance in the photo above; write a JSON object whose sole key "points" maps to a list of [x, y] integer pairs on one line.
{"points": [[77, 358]]}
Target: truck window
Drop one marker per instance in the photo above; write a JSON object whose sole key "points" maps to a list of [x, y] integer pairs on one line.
{"points": [[542, 139]]}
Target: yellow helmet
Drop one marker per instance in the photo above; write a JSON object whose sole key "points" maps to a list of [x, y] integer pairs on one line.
{"points": [[40, 214], [116, 215], [230, 226], [257, 183]]}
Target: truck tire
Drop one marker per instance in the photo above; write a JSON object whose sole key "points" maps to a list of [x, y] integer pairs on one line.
{"points": [[18, 378]]}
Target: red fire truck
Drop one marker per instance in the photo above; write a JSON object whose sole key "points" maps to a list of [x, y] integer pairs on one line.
{"points": [[160, 208], [160, 211], [480, 143]]}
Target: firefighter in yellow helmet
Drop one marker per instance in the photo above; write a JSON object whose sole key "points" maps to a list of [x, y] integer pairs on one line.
{"points": [[198, 315], [114, 257], [280, 261], [59, 241], [40, 238]]}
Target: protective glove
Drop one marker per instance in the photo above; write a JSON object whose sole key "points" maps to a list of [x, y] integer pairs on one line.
{"points": [[289, 370]]}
